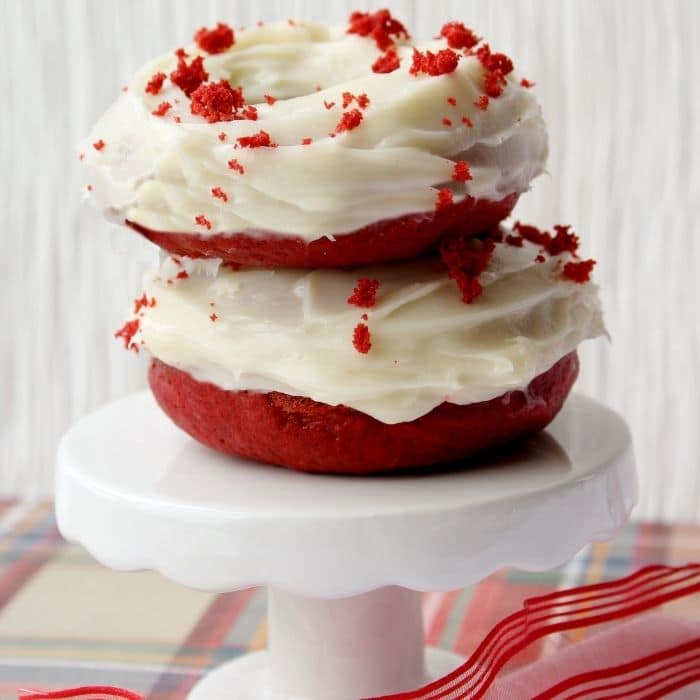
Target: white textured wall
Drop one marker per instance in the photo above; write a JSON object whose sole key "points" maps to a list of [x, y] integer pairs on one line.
{"points": [[620, 84]]}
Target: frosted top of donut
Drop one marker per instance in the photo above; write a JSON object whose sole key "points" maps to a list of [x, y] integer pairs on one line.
{"points": [[392, 341], [315, 142]]}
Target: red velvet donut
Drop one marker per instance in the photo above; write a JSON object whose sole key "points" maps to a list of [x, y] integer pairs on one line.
{"points": [[303, 434], [392, 239]]}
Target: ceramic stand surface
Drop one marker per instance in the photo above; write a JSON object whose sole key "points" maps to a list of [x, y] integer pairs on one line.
{"points": [[342, 556]]}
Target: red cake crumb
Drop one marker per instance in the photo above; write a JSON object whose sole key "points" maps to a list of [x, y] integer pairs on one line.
{"points": [[215, 40], [143, 302], [461, 172], [217, 102], [579, 272], [540, 258], [127, 333], [177, 119], [429, 63], [494, 61], [233, 164], [349, 121], [364, 317], [526, 83], [380, 26], [365, 293], [361, 338], [188, 77], [563, 241], [155, 84], [446, 121], [328, 105], [222, 136], [458, 36], [306, 141], [88, 188], [387, 63], [219, 193], [494, 82], [213, 317], [202, 220], [98, 145], [532, 234], [348, 97], [467, 122], [182, 275], [482, 103], [259, 140], [362, 100], [516, 241], [162, 109], [270, 99], [465, 260], [444, 198], [452, 101]]}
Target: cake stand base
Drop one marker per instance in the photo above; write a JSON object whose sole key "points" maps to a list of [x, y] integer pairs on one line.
{"points": [[340, 648], [249, 678]]}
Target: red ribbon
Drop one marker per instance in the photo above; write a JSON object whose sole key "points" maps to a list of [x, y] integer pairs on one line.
{"points": [[649, 677]]}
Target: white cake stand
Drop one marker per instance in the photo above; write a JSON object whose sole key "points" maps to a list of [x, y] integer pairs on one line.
{"points": [[342, 557]]}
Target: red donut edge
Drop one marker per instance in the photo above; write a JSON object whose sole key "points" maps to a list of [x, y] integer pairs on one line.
{"points": [[303, 434], [392, 239]]}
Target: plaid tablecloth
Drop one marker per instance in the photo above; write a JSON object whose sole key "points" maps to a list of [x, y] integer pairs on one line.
{"points": [[67, 621]]}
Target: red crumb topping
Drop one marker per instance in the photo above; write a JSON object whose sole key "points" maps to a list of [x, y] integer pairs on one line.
{"points": [[461, 172], [380, 26], [482, 103], [516, 241], [386, 63], [361, 338], [563, 241], [579, 272], [494, 82], [125, 88], [250, 112], [155, 84], [348, 97], [177, 119], [364, 317], [213, 317], [270, 99], [127, 333], [494, 61], [466, 259], [143, 302], [328, 105], [88, 188], [307, 141], [365, 293], [259, 140], [233, 164], [452, 101], [98, 145], [202, 220], [362, 100], [217, 102], [219, 193], [458, 36], [232, 265], [467, 122], [540, 258], [444, 198], [188, 77], [215, 40], [222, 136], [446, 121], [526, 83], [162, 109], [430, 63], [182, 275], [349, 121]]}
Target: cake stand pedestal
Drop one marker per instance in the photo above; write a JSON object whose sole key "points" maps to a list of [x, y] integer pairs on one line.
{"points": [[343, 557]]}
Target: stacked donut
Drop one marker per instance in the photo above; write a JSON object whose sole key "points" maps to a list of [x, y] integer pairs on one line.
{"points": [[337, 292]]}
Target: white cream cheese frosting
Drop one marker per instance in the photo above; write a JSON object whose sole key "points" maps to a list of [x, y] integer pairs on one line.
{"points": [[159, 171], [292, 330]]}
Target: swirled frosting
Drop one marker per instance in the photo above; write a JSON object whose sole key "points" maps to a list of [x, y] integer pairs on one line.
{"points": [[292, 330], [159, 171]]}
